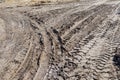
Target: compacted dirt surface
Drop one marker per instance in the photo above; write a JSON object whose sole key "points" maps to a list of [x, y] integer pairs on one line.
{"points": [[67, 41]]}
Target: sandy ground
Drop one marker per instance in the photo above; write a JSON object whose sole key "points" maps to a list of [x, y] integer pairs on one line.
{"points": [[67, 41]]}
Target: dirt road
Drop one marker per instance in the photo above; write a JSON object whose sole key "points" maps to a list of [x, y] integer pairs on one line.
{"points": [[70, 41]]}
